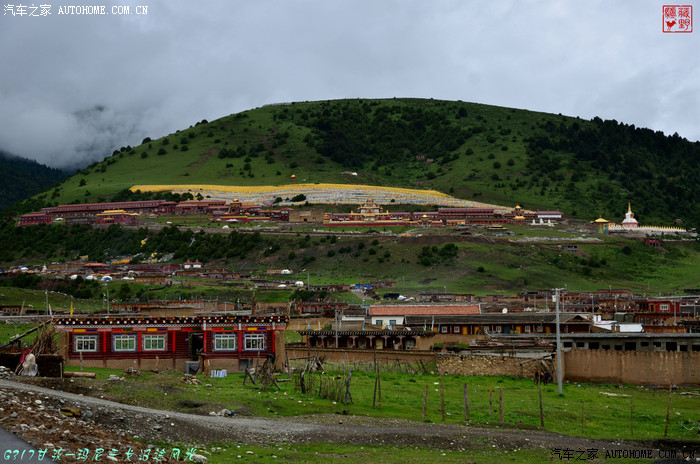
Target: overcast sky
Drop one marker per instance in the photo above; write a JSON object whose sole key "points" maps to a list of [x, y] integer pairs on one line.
{"points": [[73, 88]]}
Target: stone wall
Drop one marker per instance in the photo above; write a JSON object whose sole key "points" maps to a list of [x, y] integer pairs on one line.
{"points": [[492, 365], [359, 356]]}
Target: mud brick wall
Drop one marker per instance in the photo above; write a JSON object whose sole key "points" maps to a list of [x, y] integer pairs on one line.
{"points": [[50, 365], [10, 360], [635, 367]]}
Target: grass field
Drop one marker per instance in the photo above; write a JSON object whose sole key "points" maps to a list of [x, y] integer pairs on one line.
{"points": [[10, 331], [322, 453], [37, 299], [606, 408]]}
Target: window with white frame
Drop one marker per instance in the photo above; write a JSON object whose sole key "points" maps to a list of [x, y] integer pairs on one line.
{"points": [[85, 343], [443, 329], [392, 322], [456, 329], [254, 342], [527, 329], [379, 322], [663, 307], [154, 342], [121, 342], [498, 329], [225, 342]]}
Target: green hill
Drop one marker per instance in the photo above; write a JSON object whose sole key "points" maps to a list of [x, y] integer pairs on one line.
{"points": [[472, 151]]}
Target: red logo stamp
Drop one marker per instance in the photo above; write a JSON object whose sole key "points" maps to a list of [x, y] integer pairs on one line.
{"points": [[677, 18]]}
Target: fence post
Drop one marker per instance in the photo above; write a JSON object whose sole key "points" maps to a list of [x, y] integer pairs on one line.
{"points": [[500, 404], [490, 405], [539, 384], [348, 395], [466, 402], [425, 400], [668, 410], [374, 398], [442, 398], [379, 386], [631, 419], [582, 417]]}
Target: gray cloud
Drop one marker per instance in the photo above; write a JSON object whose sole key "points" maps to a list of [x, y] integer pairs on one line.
{"points": [[74, 88]]}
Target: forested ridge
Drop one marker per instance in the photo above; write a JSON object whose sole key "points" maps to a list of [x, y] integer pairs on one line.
{"points": [[21, 178]]}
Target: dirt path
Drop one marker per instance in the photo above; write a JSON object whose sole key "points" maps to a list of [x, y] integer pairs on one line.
{"points": [[104, 420]]}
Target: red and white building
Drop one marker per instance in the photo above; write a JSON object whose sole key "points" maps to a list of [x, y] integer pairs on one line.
{"points": [[227, 341]]}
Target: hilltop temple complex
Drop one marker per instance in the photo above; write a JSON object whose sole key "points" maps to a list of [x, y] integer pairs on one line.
{"points": [[631, 226]]}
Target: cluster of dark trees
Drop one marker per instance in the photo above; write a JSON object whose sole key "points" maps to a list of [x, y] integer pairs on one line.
{"points": [[430, 255], [68, 242], [78, 288], [138, 195], [354, 133]]}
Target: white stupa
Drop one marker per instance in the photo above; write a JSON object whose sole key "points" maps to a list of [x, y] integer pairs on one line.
{"points": [[630, 222]]}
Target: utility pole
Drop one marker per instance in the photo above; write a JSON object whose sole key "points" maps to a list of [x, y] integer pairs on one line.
{"points": [[336, 328], [556, 292]]}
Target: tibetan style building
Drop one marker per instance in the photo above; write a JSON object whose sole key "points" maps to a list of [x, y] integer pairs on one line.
{"points": [[227, 341], [370, 339]]}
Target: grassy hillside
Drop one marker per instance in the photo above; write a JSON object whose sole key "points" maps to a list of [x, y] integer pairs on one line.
{"points": [[444, 260], [486, 153]]}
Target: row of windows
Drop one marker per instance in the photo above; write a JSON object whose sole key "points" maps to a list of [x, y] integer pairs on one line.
{"points": [[493, 328], [458, 329], [229, 342], [127, 342]]}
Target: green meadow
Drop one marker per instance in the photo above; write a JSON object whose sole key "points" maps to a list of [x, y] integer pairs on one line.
{"points": [[606, 409]]}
